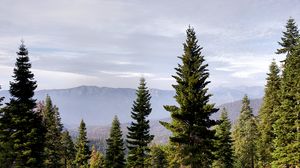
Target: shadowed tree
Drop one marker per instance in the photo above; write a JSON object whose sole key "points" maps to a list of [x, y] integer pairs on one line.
{"points": [[82, 148], [223, 143], [139, 136], [53, 141], [68, 150], [115, 157], [22, 131]]}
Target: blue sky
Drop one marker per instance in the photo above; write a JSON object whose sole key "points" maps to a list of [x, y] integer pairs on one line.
{"points": [[115, 42]]}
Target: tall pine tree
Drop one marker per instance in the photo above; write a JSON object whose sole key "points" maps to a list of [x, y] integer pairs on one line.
{"points": [[290, 38], [82, 148], [53, 143], [267, 117], [23, 132], [191, 123], [223, 143], [244, 136], [287, 126], [115, 157], [139, 136], [68, 150]]}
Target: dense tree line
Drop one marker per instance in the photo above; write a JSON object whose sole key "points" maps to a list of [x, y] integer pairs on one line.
{"points": [[32, 135]]}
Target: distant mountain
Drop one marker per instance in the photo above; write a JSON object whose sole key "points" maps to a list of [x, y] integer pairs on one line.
{"points": [[160, 133], [98, 105], [234, 108]]}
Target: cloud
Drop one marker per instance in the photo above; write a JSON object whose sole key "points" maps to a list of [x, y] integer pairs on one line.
{"points": [[111, 42], [128, 74]]}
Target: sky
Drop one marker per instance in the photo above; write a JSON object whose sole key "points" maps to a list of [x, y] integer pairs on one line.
{"points": [[113, 43]]}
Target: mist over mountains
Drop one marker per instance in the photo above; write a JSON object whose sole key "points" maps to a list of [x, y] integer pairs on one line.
{"points": [[98, 105]]}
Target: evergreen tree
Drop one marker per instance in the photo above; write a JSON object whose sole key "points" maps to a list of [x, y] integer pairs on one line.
{"points": [[139, 136], [244, 136], [53, 143], [22, 130], [97, 159], [191, 123], [289, 39], [82, 148], [115, 150], [287, 126], [267, 117], [68, 150], [158, 157], [223, 143]]}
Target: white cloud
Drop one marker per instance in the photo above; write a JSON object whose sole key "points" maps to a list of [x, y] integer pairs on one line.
{"points": [[128, 74]]}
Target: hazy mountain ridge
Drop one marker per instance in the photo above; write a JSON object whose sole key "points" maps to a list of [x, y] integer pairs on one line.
{"points": [[98, 105], [160, 133]]}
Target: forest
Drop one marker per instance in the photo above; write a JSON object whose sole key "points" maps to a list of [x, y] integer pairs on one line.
{"points": [[33, 136]]}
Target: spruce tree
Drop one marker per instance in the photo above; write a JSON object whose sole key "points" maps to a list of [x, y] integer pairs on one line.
{"points": [[191, 123], [287, 126], [158, 158], [223, 143], [244, 137], [289, 39], [267, 117], [97, 159], [53, 142], [115, 157], [23, 132], [82, 148], [68, 150], [139, 136]]}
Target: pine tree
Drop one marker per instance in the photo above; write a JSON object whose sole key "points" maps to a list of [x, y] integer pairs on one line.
{"points": [[23, 130], [115, 157], [191, 123], [139, 136], [289, 39], [53, 143], [68, 150], [244, 136], [267, 116], [287, 126], [158, 157], [82, 148], [97, 159], [223, 143]]}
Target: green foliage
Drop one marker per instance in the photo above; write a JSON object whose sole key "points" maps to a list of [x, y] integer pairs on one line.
{"points": [[138, 136], [223, 143], [115, 151], [267, 117], [53, 141], [68, 150], [158, 157], [97, 159], [191, 121], [290, 38], [244, 136], [172, 156], [22, 132], [287, 127], [82, 148]]}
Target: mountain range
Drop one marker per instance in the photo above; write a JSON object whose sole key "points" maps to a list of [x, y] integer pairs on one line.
{"points": [[98, 105]]}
